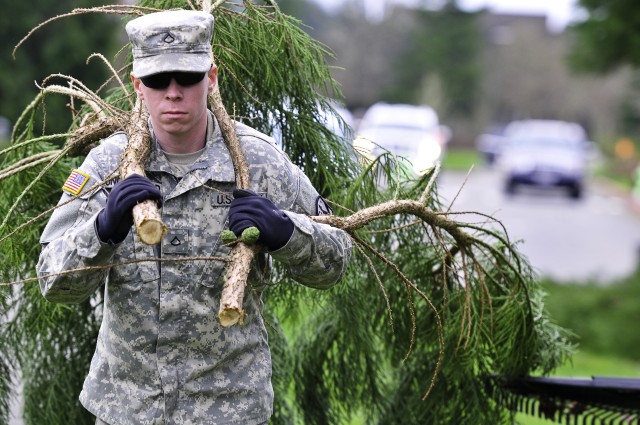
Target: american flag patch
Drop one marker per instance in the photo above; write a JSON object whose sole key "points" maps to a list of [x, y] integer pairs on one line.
{"points": [[76, 181]]}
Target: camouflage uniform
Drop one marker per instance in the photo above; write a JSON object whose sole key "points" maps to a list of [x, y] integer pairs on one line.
{"points": [[179, 40], [161, 355]]}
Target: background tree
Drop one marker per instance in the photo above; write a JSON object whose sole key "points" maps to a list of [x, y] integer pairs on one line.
{"points": [[607, 38], [423, 55], [62, 47], [443, 50], [429, 306]]}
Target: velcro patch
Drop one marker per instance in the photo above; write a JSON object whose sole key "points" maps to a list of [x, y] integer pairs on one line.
{"points": [[75, 182], [322, 208]]}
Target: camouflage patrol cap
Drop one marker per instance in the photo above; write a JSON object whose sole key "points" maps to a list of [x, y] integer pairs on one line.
{"points": [[178, 40]]}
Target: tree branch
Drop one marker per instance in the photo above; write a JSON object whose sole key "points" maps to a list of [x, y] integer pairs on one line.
{"points": [[146, 215]]}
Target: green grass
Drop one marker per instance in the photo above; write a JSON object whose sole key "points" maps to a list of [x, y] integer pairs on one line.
{"points": [[585, 365], [602, 316], [461, 159]]}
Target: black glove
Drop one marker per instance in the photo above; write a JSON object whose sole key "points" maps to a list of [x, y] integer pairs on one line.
{"points": [[115, 220], [248, 209]]}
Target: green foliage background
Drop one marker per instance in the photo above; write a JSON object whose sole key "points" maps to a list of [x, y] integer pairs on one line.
{"points": [[602, 316], [609, 37], [60, 47], [446, 44]]}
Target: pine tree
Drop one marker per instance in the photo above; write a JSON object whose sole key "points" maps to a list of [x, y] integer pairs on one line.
{"points": [[429, 307]]}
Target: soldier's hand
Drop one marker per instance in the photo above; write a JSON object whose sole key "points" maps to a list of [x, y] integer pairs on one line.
{"points": [[115, 220], [248, 209]]}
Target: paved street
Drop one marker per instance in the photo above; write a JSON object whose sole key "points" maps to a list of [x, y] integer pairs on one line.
{"points": [[595, 238]]}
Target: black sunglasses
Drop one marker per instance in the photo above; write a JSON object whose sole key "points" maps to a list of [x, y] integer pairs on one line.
{"points": [[162, 80]]}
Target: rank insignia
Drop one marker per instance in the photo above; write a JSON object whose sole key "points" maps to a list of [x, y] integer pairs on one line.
{"points": [[76, 181]]}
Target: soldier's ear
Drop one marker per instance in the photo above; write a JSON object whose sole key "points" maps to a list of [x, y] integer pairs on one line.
{"points": [[136, 85], [213, 77]]}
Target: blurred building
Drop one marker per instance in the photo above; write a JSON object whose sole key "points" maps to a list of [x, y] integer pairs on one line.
{"points": [[526, 75], [523, 67]]}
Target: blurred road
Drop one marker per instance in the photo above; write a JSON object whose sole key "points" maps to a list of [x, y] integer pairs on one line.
{"points": [[596, 238]]}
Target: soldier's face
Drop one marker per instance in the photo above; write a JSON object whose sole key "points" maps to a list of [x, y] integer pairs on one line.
{"points": [[177, 109]]}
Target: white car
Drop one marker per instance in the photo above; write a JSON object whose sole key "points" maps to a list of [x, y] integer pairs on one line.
{"points": [[412, 132]]}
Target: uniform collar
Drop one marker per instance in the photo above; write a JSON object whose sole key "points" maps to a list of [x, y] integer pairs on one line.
{"points": [[214, 165]]}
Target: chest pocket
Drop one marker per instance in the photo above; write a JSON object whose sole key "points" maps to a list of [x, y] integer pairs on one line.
{"points": [[138, 263], [194, 222]]}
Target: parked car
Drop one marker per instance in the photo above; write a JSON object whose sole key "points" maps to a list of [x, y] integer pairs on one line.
{"points": [[412, 132], [490, 143], [545, 154]]}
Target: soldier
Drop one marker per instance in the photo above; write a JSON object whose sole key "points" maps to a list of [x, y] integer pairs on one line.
{"points": [[161, 355]]}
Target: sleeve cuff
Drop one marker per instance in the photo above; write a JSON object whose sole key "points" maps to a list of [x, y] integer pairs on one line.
{"points": [[298, 243]]}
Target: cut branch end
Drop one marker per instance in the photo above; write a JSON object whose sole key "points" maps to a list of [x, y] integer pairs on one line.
{"points": [[229, 316], [149, 227]]}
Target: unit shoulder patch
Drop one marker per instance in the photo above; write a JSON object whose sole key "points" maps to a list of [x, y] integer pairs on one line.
{"points": [[322, 208]]}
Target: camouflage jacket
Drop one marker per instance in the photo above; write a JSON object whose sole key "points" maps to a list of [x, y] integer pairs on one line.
{"points": [[161, 356]]}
